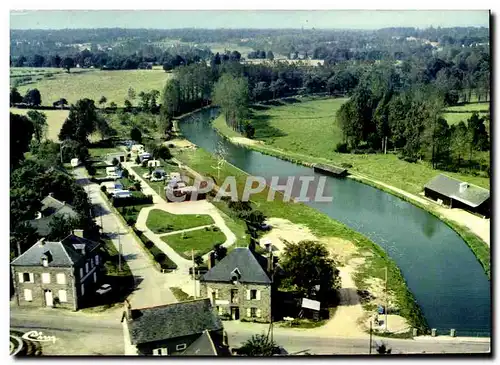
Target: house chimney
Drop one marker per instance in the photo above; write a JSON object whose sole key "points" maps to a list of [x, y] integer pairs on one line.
{"points": [[270, 260], [211, 260], [463, 186], [78, 232], [41, 242], [51, 194]]}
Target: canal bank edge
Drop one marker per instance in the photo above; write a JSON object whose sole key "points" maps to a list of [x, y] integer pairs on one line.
{"points": [[374, 266], [478, 247]]}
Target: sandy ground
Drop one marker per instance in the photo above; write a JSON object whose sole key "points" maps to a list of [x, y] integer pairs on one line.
{"points": [[245, 141]]}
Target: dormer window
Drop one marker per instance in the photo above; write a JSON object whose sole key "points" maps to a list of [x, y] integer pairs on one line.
{"points": [[46, 258], [45, 262], [235, 275]]}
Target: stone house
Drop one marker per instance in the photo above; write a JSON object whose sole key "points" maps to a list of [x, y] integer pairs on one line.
{"points": [[240, 285], [51, 207], [57, 274], [180, 329]]}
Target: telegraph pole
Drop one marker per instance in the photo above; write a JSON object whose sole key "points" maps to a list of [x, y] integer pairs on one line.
{"points": [[386, 299], [370, 349], [119, 251], [194, 276]]}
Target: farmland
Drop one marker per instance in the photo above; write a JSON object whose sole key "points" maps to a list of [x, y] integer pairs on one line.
{"points": [[455, 118], [55, 119], [94, 84]]}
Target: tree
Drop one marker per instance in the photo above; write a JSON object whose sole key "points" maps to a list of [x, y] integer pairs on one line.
{"points": [[249, 130], [198, 260], [61, 103], [259, 345], [81, 121], [231, 94], [23, 237], [171, 99], [307, 264], [164, 152], [219, 251], [128, 105], [67, 63], [21, 133], [39, 121], [102, 101], [136, 135], [270, 55], [74, 149], [15, 97], [459, 141], [131, 93], [145, 98], [61, 226], [33, 97], [112, 106]]}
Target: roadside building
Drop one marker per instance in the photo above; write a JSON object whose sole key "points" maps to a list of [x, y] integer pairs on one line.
{"points": [[454, 193], [240, 285], [51, 207], [120, 156], [185, 328], [57, 274]]}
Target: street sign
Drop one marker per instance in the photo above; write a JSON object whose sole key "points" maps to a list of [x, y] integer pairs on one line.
{"points": [[311, 304]]}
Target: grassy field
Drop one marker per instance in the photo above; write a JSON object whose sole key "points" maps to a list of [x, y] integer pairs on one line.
{"points": [[294, 141], [55, 119], [455, 118], [102, 152], [200, 241], [469, 107], [322, 226], [295, 126], [113, 85], [160, 221]]}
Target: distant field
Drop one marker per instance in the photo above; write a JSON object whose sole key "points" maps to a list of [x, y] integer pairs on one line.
{"points": [[455, 118], [305, 127], [113, 85], [220, 47], [55, 119], [469, 107]]}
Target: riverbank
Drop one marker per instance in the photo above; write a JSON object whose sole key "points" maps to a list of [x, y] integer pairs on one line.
{"points": [[372, 259], [477, 245]]}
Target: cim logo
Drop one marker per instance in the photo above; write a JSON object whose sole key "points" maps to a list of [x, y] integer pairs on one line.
{"points": [[38, 337]]}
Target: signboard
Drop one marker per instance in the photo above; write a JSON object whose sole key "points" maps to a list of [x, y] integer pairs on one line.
{"points": [[311, 304]]}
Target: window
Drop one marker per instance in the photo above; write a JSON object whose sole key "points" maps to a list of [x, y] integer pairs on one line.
{"points": [[234, 295], [253, 312], [61, 278], [97, 259], [216, 292], [181, 347], [27, 295], [82, 289], [95, 277], [86, 267], [253, 294], [81, 272], [160, 352], [46, 278], [26, 277], [62, 296]]}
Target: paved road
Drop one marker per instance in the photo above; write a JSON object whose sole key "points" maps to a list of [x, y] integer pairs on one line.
{"points": [[94, 334], [152, 287]]}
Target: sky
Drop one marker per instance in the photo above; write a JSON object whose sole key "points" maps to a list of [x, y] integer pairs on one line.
{"points": [[327, 19]]}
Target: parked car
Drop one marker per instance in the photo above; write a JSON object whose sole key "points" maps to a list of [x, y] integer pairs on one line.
{"points": [[105, 288]]}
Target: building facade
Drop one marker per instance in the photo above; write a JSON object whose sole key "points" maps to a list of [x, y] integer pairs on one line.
{"points": [[240, 287], [57, 274]]}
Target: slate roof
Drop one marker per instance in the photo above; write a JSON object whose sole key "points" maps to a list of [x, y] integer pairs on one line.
{"points": [[450, 187], [65, 253], [172, 321], [250, 265], [202, 346], [50, 207]]}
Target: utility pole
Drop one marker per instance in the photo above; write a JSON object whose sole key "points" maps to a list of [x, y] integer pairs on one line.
{"points": [[370, 349], [386, 299], [119, 251], [194, 276]]}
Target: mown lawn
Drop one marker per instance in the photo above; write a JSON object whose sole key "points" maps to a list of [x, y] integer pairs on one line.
{"points": [[455, 118], [200, 241], [471, 107], [113, 85], [102, 152], [160, 221], [55, 120]]}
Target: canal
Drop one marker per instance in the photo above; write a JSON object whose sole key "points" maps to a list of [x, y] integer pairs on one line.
{"points": [[441, 271]]}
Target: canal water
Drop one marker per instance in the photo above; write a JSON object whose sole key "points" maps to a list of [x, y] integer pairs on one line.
{"points": [[441, 271]]}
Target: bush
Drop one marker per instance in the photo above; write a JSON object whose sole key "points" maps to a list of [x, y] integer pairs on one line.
{"points": [[171, 145], [346, 165], [160, 257], [115, 161], [125, 173], [103, 189], [408, 159], [137, 160], [144, 163], [342, 148], [148, 244], [133, 200]]}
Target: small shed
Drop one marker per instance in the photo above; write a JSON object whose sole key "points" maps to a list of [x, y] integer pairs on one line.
{"points": [[75, 162], [154, 163], [454, 193], [330, 170]]}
